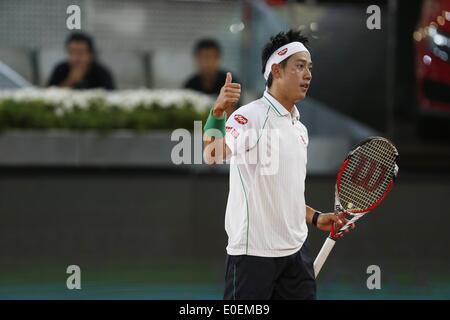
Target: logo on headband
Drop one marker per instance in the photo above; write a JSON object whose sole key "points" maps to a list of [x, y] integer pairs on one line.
{"points": [[283, 52]]}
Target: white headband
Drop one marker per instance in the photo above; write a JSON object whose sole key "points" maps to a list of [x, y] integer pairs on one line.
{"points": [[283, 53]]}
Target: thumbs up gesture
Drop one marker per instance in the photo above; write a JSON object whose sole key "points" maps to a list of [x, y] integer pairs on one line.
{"points": [[228, 97]]}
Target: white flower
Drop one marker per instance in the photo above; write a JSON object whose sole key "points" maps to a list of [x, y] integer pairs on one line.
{"points": [[65, 100]]}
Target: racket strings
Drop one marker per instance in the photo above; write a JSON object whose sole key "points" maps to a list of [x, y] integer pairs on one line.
{"points": [[358, 197], [359, 176]]}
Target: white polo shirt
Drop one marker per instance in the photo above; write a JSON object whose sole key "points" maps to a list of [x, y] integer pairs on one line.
{"points": [[266, 208]]}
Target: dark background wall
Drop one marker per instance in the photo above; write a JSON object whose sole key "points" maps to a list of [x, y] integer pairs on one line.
{"points": [[159, 226], [353, 64]]}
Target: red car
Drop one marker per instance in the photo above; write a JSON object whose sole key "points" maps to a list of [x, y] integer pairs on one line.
{"points": [[433, 59]]}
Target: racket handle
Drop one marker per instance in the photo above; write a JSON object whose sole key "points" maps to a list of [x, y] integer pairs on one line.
{"points": [[323, 255]]}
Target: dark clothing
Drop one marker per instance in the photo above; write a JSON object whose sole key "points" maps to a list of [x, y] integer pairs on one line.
{"points": [[263, 278], [96, 77], [195, 83]]}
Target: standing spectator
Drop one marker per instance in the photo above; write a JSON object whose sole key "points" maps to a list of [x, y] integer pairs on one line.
{"points": [[81, 70]]}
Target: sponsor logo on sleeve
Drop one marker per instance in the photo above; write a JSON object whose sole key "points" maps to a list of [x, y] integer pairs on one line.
{"points": [[232, 131], [240, 119]]}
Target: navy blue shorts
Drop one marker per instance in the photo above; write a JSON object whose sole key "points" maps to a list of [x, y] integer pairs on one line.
{"points": [[263, 278]]}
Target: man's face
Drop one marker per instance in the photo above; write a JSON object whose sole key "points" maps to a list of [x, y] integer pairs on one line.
{"points": [[296, 76], [79, 54], [208, 61]]}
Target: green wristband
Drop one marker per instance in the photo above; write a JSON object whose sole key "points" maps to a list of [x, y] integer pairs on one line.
{"points": [[215, 127]]}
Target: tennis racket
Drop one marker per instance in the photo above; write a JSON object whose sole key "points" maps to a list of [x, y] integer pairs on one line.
{"points": [[364, 179]]}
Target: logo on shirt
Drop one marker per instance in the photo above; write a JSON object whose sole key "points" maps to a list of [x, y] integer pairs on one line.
{"points": [[282, 52], [232, 131], [303, 140], [240, 119]]}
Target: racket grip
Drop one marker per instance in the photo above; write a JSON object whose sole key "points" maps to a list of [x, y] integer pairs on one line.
{"points": [[323, 255]]}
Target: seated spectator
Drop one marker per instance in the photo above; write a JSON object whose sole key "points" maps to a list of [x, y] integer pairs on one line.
{"points": [[209, 78], [81, 70]]}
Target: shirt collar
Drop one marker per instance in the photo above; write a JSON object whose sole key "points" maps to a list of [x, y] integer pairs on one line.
{"points": [[278, 107]]}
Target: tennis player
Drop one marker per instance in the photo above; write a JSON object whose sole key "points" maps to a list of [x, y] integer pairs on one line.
{"points": [[266, 214]]}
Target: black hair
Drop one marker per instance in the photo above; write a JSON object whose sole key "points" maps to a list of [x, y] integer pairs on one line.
{"points": [[278, 41], [207, 44], [82, 37]]}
